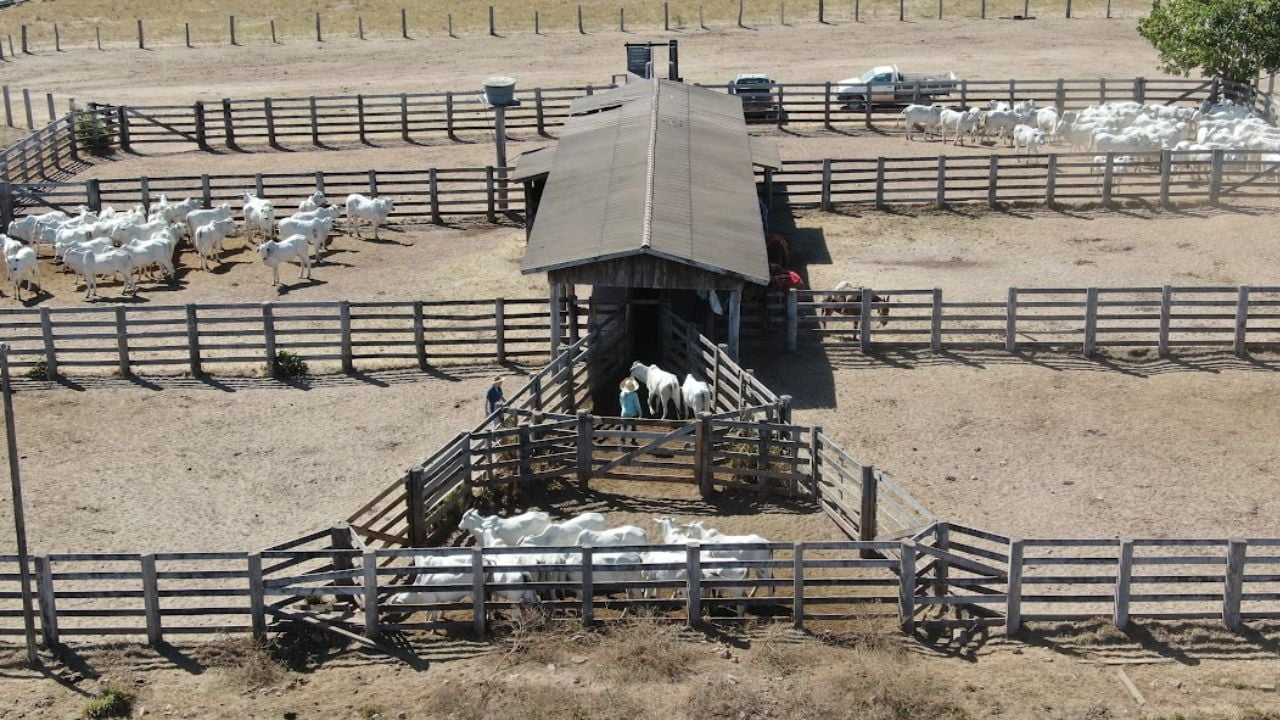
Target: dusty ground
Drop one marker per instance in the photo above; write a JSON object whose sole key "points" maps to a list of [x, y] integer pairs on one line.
{"points": [[1031, 50], [646, 671]]}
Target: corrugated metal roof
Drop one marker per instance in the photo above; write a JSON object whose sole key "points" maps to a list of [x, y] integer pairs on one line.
{"points": [[764, 152], [534, 163], [659, 168]]}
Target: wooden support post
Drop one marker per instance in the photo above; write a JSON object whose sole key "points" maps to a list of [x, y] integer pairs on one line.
{"points": [[797, 586], [826, 106], [259, 187], [26, 103], [269, 337], [202, 132], [478, 618], [49, 110], [122, 340], [935, 321], [419, 335], [1166, 176], [372, 628], [907, 587], [735, 323], [702, 23], [941, 568], [315, 120], [151, 600], [982, 12], [585, 430], [1091, 322], [666, 17], [1233, 588], [869, 492], [450, 24], [793, 320], [373, 182], [360, 119], [1242, 321], [48, 602], [206, 191], [940, 9], [433, 183], [269, 112], [993, 179], [880, 180], [1215, 176], [554, 312], [448, 115], [581, 29], [231, 25], [741, 11], [941, 200], [416, 507], [523, 453], [622, 19], [693, 584], [815, 460], [493, 28], [1108, 179], [539, 112], [587, 593], [1013, 591], [26, 50], [825, 202], [360, 27], [97, 33], [500, 329], [404, 23], [193, 341], [50, 351], [491, 212], [1068, 9], [6, 204], [344, 328], [1166, 307], [228, 121], [319, 37], [1108, 9], [1051, 181], [537, 23], [1011, 321], [257, 597], [702, 455], [273, 31], [902, 11], [864, 328], [142, 45], [857, 10], [8, 107], [1139, 88], [1124, 574]]}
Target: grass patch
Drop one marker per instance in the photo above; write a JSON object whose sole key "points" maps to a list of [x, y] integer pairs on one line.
{"points": [[525, 700], [114, 702], [39, 370], [644, 652], [248, 663]]}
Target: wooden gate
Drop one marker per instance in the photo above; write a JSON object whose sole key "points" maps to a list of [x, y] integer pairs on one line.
{"points": [[650, 450]]}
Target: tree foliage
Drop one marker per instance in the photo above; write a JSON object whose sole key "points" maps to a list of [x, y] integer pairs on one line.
{"points": [[1230, 39]]}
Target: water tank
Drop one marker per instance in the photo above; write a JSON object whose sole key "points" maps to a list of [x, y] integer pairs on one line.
{"points": [[499, 90]]}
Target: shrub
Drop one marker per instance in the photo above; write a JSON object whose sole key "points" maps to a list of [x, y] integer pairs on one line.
{"points": [[114, 701], [39, 370], [92, 133], [287, 365]]}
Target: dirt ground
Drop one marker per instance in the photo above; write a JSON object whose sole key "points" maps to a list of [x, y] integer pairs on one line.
{"points": [[644, 670], [1031, 50]]}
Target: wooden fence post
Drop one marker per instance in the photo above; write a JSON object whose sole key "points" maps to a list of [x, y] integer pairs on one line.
{"points": [[415, 507], [57, 39], [1011, 321], [826, 105], [1166, 177], [493, 29], [151, 600], [1108, 179], [231, 25], [257, 597], [202, 132], [825, 202], [797, 586], [404, 23], [26, 50], [1124, 574], [869, 491], [793, 320], [122, 340], [1013, 591], [586, 427], [8, 107], [622, 19], [1091, 322], [49, 108], [269, 112], [193, 341], [935, 321], [993, 178], [206, 191], [50, 351], [1051, 181], [448, 115], [48, 602], [360, 119], [588, 590], [1242, 321], [315, 120], [491, 213], [741, 12], [1166, 307], [6, 204], [702, 455], [26, 103], [269, 337], [880, 179], [419, 335], [360, 27], [539, 112], [344, 327], [864, 328], [228, 120], [902, 11], [373, 183], [319, 38], [450, 25], [982, 12], [1069, 12], [1233, 588], [1108, 9], [1215, 176], [477, 591], [499, 329], [907, 587], [581, 29], [404, 117], [693, 584], [372, 628], [941, 200], [273, 31], [142, 45]]}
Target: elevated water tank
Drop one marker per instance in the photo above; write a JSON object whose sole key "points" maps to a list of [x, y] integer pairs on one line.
{"points": [[500, 90]]}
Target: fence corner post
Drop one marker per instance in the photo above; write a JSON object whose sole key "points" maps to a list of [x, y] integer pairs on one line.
{"points": [[1233, 589], [416, 507], [585, 444], [907, 586]]}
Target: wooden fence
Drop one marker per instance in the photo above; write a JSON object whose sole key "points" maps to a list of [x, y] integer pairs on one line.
{"points": [[1159, 317], [343, 334], [234, 30]]}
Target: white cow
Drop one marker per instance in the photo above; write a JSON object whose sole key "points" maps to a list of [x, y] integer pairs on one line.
{"points": [[208, 240], [510, 530], [154, 251], [663, 388], [198, 218], [927, 117], [174, 212], [372, 210], [711, 536], [293, 248], [1000, 124], [89, 264], [22, 267], [314, 201], [259, 216], [566, 533], [316, 230], [621, 535], [1025, 136], [697, 395], [961, 123]]}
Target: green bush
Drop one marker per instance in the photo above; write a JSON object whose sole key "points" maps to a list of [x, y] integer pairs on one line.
{"points": [[287, 365], [114, 701], [39, 371], [92, 133]]}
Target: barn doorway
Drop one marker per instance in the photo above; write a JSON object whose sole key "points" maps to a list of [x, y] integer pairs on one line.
{"points": [[646, 325]]}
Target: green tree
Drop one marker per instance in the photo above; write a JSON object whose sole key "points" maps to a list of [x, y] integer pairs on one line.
{"points": [[1230, 39]]}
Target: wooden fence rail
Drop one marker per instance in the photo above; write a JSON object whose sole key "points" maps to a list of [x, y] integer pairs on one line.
{"points": [[1160, 318], [196, 337]]}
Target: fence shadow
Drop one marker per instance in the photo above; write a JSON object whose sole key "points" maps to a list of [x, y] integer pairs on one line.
{"points": [[568, 501], [1183, 642]]}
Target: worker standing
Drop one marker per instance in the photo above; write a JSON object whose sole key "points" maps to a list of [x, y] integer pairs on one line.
{"points": [[494, 399], [629, 404]]}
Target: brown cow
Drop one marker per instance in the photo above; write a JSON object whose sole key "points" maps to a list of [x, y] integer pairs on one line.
{"points": [[846, 292]]}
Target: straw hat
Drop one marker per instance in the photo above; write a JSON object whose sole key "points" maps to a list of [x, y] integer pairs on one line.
{"points": [[630, 385]]}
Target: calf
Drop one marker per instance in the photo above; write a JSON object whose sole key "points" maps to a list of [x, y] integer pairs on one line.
{"points": [[374, 211], [292, 248], [208, 240], [22, 267]]}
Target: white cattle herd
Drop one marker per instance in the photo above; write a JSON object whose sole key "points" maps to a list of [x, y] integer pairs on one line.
{"points": [[1127, 129], [732, 557], [134, 243], [664, 389]]}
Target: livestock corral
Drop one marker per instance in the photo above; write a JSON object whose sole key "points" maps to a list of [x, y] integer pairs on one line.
{"points": [[1004, 388]]}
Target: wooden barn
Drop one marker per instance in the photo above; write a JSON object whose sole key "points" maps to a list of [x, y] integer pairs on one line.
{"points": [[651, 198]]}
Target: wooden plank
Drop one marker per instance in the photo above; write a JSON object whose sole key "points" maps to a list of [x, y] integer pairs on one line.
{"points": [[1124, 576], [151, 600], [257, 597], [1234, 583], [587, 592], [48, 605], [478, 613], [370, 580], [797, 590], [907, 586], [1013, 592], [693, 587]]}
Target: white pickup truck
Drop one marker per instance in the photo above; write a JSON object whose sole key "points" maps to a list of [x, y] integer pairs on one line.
{"points": [[887, 85]]}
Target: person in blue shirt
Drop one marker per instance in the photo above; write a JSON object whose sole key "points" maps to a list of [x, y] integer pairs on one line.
{"points": [[629, 403], [493, 399]]}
